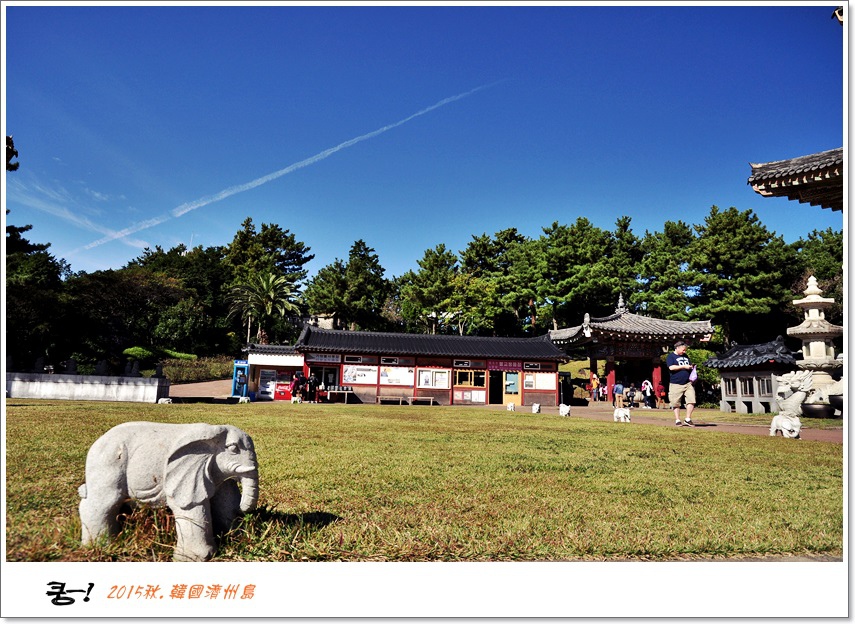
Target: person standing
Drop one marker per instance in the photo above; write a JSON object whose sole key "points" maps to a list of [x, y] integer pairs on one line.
{"points": [[661, 393], [595, 387], [298, 385], [647, 391], [632, 395], [617, 390], [312, 388], [680, 386]]}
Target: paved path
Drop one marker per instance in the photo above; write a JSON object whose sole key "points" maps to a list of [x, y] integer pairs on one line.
{"points": [[593, 411]]}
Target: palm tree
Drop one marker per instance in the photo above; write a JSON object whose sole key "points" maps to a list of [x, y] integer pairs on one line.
{"points": [[261, 298]]}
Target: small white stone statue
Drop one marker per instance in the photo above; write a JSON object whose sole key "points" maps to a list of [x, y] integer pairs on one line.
{"points": [[789, 426], [793, 390], [535, 408], [193, 469], [622, 414], [511, 407], [563, 410]]}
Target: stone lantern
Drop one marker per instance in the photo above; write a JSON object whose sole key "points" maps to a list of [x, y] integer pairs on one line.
{"points": [[817, 335]]}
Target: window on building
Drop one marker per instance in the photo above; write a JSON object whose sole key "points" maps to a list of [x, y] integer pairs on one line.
{"points": [[474, 379], [730, 386], [747, 385], [765, 384], [433, 378]]}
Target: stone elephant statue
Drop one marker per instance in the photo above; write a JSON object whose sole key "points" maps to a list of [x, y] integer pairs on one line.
{"points": [[789, 426], [193, 469]]}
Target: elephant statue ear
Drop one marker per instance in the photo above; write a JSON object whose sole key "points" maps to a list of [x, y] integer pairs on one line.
{"points": [[188, 479]]}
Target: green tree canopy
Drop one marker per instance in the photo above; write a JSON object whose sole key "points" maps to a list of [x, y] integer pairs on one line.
{"points": [[744, 272], [270, 250], [262, 298], [425, 294], [821, 255], [366, 290], [34, 297], [574, 276], [113, 310], [492, 259], [665, 280], [354, 294], [325, 293]]}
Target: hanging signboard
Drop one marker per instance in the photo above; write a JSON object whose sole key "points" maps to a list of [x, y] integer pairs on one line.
{"points": [[504, 365], [397, 376], [359, 375]]}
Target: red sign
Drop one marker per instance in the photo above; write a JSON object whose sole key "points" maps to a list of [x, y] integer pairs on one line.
{"points": [[504, 365]]}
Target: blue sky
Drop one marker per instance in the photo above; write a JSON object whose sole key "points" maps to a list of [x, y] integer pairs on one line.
{"points": [[405, 126]]}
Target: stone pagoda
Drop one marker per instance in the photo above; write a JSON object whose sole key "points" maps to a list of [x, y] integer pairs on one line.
{"points": [[817, 335]]}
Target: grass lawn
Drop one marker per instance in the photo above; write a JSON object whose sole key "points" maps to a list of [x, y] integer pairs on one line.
{"points": [[709, 416], [410, 483]]}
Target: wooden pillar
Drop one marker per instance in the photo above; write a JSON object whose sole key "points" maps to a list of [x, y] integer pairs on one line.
{"points": [[657, 373], [610, 377]]}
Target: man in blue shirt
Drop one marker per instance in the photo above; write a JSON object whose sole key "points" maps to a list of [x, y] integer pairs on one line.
{"points": [[680, 386]]}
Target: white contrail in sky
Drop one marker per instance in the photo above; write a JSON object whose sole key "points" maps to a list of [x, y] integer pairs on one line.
{"points": [[240, 188]]}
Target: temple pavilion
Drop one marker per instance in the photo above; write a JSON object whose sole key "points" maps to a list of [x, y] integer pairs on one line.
{"points": [[632, 345]]}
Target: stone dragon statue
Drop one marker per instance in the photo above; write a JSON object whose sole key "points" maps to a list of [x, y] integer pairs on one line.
{"points": [[793, 389]]}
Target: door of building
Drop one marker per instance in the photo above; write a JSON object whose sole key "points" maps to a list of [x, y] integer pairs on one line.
{"points": [[504, 388], [497, 388], [512, 388]]}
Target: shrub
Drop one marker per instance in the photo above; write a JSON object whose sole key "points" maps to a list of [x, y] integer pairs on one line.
{"points": [[143, 354], [149, 357], [179, 370], [178, 355]]}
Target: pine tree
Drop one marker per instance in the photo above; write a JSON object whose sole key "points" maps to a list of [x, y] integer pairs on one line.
{"points": [[744, 272]]}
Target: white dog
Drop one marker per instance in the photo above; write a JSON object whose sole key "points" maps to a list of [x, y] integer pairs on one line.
{"points": [[789, 426], [563, 410], [622, 414], [511, 407], [535, 408]]}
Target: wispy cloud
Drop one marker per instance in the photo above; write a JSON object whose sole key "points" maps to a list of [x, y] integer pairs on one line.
{"points": [[60, 203], [183, 209]]}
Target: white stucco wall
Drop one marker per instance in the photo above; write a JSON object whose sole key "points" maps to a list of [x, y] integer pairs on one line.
{"points": [[86, 387]]}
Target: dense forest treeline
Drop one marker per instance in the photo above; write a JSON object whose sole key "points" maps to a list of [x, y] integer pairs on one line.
{"points": [[211, 301]]}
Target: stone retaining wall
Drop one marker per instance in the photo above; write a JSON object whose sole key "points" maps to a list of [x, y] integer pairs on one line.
{"points": [[86, 387]]}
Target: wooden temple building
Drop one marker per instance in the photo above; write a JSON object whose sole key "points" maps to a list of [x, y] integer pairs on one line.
{"points": [[631, 345], [815, 179]]}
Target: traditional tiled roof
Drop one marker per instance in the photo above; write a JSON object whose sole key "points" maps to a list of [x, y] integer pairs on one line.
{"points": [[816, 179], [768, 354], [270, 349], [623, 325], [316, 340]]}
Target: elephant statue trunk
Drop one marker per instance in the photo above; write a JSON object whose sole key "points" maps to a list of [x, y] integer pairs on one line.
{"points": [[249, 494], [192, 469]]}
